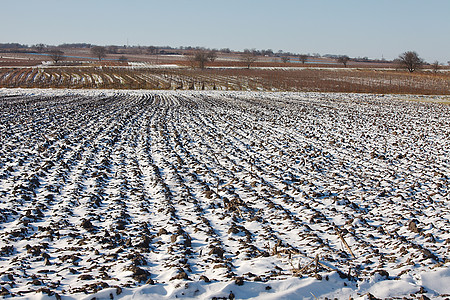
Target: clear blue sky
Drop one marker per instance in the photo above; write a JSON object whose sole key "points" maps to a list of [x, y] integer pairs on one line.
{"points": [[353, 27]]}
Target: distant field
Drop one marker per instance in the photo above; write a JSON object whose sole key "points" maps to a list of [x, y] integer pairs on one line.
{"points": [[84, 56], [79, 70], [142, 76]]}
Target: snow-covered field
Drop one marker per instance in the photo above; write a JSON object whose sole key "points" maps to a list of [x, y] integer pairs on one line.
{"points": [[191, 194]]}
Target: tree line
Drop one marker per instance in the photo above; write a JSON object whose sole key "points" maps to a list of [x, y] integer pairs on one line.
{"points": [[200, 56]]}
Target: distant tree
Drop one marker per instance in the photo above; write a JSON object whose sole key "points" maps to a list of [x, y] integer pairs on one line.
{"points": [[285, 58], [435, 66], [248, 57], [40, 47], [12, 46], [99, 52], [113, 49], [303, 58], [56, 55], [410, 60], [212, 55], [200, 57], [268, 52], [152, 50], [75, 45], [343, 59]]}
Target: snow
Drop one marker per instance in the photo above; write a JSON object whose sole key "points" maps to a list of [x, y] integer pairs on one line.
{"points": [[146, 65], [141, 194], [392, 288], [437, 281]]}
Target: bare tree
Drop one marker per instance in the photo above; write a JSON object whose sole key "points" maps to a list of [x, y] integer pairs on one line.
{"points": [[56, 55], [435, 66], [200, 57], [99, 52], [249, 57], [40, 47], [268, 52], [343, 59], [113, 49], [212, 55], [410, 60], [303, 58], [152, 50], [285, 58]]}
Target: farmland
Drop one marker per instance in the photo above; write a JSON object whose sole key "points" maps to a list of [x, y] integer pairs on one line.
{"points": [[228, 72], [172, 194], [232, 79]]}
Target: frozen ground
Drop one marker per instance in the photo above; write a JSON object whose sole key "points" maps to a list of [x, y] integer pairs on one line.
{"points": [[163, 195]]}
